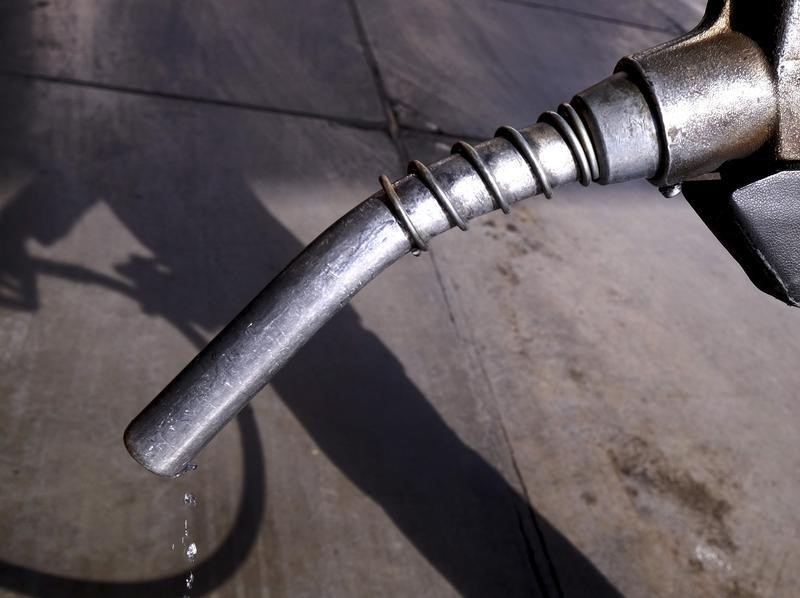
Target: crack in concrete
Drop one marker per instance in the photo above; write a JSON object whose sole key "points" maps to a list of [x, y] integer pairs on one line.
{"points": [[394, 132], [344, 121]]}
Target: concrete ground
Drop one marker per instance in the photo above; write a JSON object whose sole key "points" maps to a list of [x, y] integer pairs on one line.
{"points": [[586, 398]]}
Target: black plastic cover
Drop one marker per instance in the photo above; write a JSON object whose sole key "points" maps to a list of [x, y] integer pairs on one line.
{"points": [[759, 224]]}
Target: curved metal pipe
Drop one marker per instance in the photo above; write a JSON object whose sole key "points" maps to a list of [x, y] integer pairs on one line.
{"points": [[403, 217], [245, 355]]}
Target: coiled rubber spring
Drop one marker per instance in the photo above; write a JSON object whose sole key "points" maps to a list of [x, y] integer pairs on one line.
{"points": [[567, 124]]}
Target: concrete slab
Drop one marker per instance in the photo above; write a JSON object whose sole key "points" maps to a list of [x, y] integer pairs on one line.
{"points": [[265, 53], [647, 388], [676, 17], [638, 13], [468, 66], [687, 13]]}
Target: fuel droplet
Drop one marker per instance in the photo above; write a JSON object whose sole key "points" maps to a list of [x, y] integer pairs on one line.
{"points": [[191, 551], [186, 469]]}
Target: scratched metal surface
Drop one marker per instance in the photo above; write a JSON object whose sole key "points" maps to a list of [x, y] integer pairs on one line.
{"points": [[586, 396]]}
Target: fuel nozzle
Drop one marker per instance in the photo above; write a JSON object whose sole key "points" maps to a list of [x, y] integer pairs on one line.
{"points": [[667, 114]]}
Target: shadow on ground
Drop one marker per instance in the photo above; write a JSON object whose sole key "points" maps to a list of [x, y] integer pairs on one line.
{"points": [[359, 407]]}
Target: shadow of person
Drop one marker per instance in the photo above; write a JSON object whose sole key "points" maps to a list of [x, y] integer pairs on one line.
{"points": [[177, 186]]}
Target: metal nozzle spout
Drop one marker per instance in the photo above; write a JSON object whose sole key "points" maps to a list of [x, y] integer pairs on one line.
{"points": [[400, 218]]}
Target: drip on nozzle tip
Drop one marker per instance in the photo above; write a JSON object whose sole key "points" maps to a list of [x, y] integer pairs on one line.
{"points": [[149, 458]]}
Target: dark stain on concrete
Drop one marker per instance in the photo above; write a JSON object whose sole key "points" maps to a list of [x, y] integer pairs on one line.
{"points": [[730, 589], [736, 590], [516, 250], [520, 243], [696, 565], [577, 375], [508, 273], [649, 469]]}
